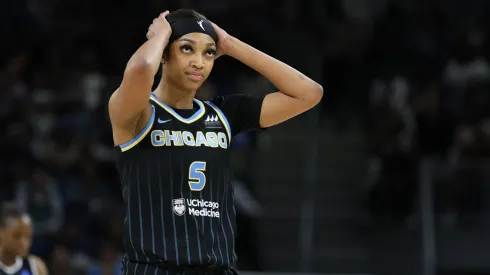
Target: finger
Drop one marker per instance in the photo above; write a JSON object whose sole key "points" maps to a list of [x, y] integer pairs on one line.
{"points": [[164, 14]]}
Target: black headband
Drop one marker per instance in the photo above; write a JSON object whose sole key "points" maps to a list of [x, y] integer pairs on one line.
{"points": [[189, 25]]}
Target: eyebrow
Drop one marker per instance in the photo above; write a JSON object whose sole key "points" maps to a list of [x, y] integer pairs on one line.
{"points": [[194, 42]]}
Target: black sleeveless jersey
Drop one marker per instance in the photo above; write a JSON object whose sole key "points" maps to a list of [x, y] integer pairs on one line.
{"points": [[22, 266], [176, 183]]}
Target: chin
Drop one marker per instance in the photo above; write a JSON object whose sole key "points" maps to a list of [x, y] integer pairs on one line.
{"points": [[23, 253], [193, 86]]}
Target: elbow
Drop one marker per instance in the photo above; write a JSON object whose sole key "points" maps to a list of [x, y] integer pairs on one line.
{"points": [[314, 94], [139, 67]]}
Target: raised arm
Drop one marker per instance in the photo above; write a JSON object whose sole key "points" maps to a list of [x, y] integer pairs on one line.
{"points": [[131, 98], [40, 266], [297, 94]]}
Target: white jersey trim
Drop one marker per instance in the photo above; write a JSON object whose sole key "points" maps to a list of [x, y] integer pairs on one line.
{"points": [[14, 268], [32, 263]]}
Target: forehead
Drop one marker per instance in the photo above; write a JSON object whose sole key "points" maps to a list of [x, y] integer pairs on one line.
{"points": [[22, 222], [199, 38]]}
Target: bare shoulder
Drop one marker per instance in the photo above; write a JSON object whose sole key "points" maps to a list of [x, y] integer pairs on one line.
{"points": [[38, 264], [118, 111], [124, 130]]}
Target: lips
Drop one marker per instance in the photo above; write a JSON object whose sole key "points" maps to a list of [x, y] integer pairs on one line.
{"points": [[195, 76]]}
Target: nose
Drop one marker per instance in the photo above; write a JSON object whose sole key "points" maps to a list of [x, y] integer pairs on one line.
{"points": [[198, 62]]}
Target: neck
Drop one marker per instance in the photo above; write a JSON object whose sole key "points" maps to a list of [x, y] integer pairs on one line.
{"points": [[6, 258], [174, 96]]}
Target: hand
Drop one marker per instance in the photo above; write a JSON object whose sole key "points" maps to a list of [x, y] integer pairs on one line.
{"points": [[223, 41], [160, 26]]}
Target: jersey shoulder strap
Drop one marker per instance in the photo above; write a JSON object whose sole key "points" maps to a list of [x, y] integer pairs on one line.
{"points": [[221, 117], [30, 262]]}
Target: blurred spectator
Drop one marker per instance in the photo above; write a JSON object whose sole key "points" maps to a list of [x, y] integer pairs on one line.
{"points": [[435, 124], [110, 261], [41, 197], [39, 194]]}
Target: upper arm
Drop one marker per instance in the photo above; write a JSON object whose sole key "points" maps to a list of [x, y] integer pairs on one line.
{"points": [[40, 266], [246, 112], [278, 107], [132, 97]]}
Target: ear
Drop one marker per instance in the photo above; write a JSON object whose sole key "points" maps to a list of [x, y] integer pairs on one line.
{"points": [[166, 55], [164, 58]]}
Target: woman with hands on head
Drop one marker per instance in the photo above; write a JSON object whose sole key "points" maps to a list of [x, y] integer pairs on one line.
{"points": [[173, 149]]}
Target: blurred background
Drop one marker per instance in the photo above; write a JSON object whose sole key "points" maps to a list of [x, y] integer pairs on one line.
{"points": [[388, 175]]}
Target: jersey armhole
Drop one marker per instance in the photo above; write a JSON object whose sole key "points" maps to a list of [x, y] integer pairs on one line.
{"points": [[222, 117], [134, 141], [33, 265]]}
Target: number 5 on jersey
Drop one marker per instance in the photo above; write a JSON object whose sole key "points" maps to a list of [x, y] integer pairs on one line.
{"points": [[197, 178]]}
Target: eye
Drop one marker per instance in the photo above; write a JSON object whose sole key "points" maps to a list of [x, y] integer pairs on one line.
{"points": [[186, 48], [211, 52]]}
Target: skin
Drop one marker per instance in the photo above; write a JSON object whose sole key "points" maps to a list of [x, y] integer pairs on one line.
{"points": [[16, 240], [191, 60], [129, 106]]}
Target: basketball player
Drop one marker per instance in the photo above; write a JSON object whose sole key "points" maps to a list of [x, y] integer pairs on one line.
{"points": [[172, 149], [15, 242]]}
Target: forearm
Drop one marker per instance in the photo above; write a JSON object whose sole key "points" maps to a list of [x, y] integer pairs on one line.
{"points": [[287, 79], [149, 55]]}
